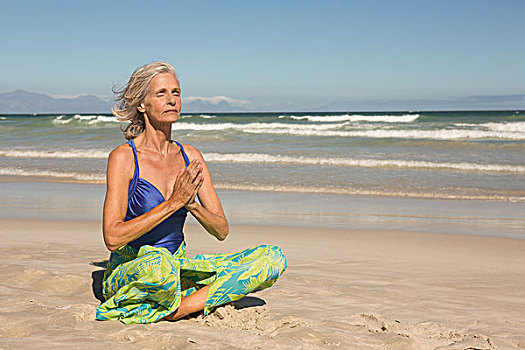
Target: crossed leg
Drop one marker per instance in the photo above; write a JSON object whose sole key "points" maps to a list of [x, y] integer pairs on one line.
{"points": [[190, 304]]}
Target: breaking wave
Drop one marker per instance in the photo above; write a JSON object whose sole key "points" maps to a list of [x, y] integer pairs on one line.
{"points": [[511, 127], [97, 178], [54, 154], [365, 163], [334, 130], [282, 159], [89, 119], [407, 118]]}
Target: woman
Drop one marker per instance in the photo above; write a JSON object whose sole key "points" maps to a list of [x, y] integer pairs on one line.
{"points": [[152, 183]]}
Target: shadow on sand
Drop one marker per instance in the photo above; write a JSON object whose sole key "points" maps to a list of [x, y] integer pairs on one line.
{"points": [[97, 277]]}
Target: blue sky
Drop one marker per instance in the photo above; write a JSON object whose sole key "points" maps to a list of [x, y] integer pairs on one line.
{"points": [[276, 55]]}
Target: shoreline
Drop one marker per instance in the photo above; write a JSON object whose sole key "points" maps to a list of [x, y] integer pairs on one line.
{"points": [[287, 189], [192, 226], [343, 288], [80, 201]]}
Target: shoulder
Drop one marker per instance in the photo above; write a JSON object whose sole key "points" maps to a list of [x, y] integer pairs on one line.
{"points": [[121, 160], [121, 153], [192, 152]]}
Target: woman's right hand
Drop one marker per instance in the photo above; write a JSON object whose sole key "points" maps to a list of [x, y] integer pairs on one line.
{"points": [[186, 185]]}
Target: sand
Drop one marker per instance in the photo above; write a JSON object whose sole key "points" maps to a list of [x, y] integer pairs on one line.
{"points": [[344, 289]]}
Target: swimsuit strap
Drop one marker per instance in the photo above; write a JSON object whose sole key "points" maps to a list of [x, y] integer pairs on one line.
{"points": [[135, 178], [186, 159]]}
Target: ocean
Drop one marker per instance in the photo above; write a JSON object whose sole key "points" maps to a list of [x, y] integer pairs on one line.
{"points": [[394, 170], [461, 155]]}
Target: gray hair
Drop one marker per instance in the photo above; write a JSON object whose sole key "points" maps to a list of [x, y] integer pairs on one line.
{"points": [[132, 95]]}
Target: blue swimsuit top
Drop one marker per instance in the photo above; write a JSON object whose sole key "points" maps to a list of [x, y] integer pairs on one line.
{"points": [[144, 196]]}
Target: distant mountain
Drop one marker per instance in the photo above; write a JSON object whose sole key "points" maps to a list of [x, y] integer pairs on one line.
{"points": [[21, 101], [192, 104]]}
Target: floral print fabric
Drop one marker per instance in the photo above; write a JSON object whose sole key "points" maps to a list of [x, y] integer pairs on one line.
{"points": [[146, 285]]}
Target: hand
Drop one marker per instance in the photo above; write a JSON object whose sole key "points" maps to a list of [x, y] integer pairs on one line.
{"points": [[191, 203], [187, 184]]}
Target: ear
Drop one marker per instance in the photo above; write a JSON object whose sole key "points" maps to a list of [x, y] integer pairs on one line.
{"points": [[141, 108]]}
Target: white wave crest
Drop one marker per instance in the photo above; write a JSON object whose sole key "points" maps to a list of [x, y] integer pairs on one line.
{"points": [[365, 163], [48, 173], [331, 130], [60, 120], [407, 118], [89, 119], [254, 127], [203, 116], [13, 153], [517, 127], [272, 158], [94, 119]]}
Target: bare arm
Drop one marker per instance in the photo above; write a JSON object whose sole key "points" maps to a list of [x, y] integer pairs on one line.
{"points": [[118, 232], [209, 213]]}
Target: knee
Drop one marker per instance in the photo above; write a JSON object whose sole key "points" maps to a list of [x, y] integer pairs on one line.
{"points": [[276, 258]]}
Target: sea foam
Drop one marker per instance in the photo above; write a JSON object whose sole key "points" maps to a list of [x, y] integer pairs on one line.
{"points": [[407, 118], [341, 130], [97, 178], [53, 154], [365, 163], [87, 119], [511, 127], [283, 159]]}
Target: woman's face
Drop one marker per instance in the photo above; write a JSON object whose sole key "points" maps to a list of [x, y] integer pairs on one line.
{"points": [[162, 103]]}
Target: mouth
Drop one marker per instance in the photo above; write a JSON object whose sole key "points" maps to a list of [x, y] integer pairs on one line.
{"points": [[171, 111]]}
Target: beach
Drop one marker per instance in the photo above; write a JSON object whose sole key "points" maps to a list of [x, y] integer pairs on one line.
{"points": [[369, 288], [402, 230], [368, 158]]}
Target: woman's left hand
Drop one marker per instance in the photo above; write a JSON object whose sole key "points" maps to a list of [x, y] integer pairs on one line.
{"points": [[208, 211], [191, 203]]}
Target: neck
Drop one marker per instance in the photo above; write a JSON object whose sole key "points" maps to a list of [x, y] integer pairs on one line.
{"points": [[156, 137]]}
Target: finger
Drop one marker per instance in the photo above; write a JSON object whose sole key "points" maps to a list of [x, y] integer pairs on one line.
{"points": [[198, 178], [201, 181], [197, 188], [195, 170], [192, 166], [195, 184], [194, 163], [181, 181], [193, 196]]}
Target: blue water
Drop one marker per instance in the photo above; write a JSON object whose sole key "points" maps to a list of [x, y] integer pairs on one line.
{"points": [[445, 155]]}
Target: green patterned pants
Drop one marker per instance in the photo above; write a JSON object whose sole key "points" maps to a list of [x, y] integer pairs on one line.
{"points": [[146, 285]]}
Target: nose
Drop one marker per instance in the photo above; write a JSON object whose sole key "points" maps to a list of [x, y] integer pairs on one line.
{"points": [[172, 100]]}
